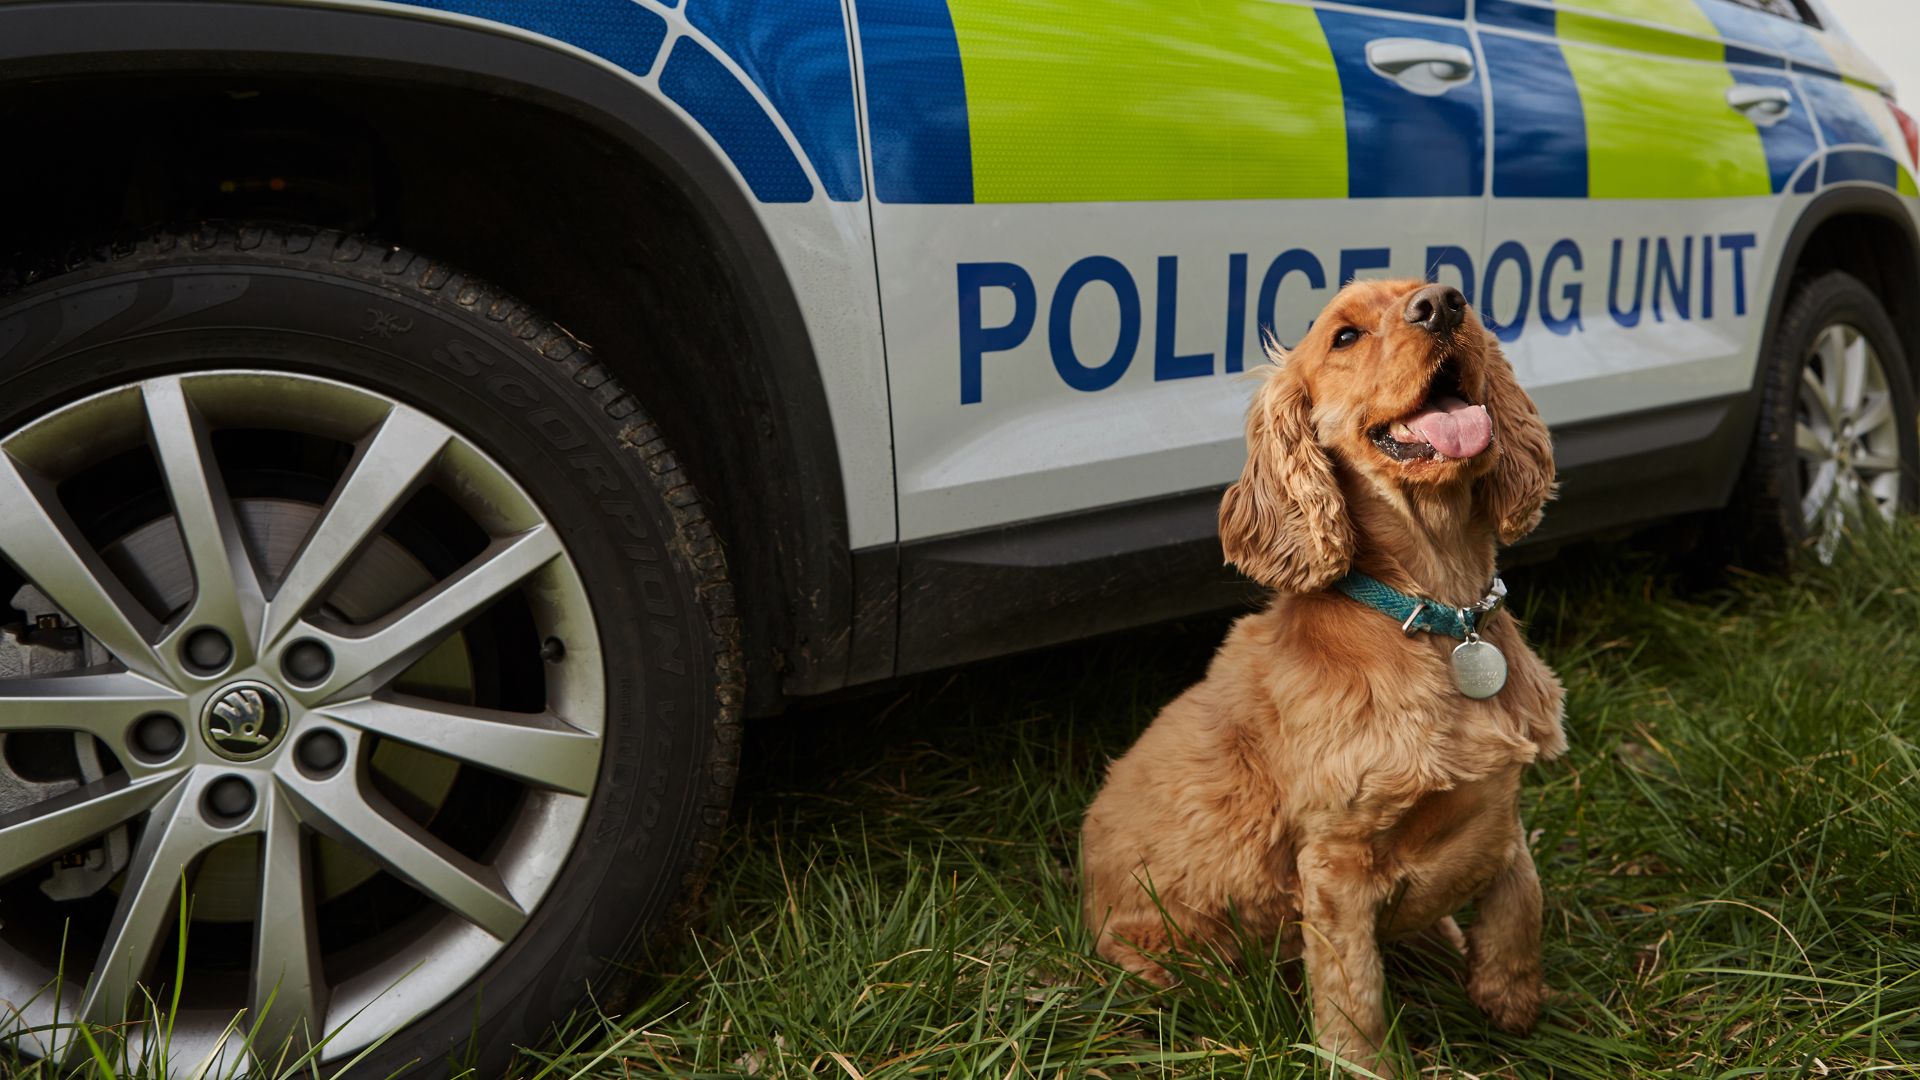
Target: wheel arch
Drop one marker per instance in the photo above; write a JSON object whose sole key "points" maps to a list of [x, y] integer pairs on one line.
{"points": [[1870, 234], [733, 380]]}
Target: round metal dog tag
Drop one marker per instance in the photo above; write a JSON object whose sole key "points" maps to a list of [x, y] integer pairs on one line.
{"points": [[1479, 669]]}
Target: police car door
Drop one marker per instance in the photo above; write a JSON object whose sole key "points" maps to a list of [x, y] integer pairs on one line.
{"points": [[1640, 156], [1085, 211]]}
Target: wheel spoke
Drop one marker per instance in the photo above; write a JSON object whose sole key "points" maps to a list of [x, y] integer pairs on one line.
{"points": [[350, 812], [538, 749], [1872, 462], [287, 991], [383, 473], [1813, 395], [1877, 410], [36, 834], [1853, 386], [1832, 350], [41, 541], [1835, 521], [1819, 492], [393, 643], [1811, 443], [103, 705], [226, 590], [173, 838]]}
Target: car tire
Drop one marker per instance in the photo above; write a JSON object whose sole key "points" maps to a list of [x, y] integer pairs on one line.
{"points": [[1835, 353], [277, 328]]}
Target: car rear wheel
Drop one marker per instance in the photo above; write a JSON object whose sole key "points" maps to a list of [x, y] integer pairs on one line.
{"points": [[358, 608], [1836, 439]]}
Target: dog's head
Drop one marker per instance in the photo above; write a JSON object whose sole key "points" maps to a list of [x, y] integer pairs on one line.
{"points": [[1400, 384]]}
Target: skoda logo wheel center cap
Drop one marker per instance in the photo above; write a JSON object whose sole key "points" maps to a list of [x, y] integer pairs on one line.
{"points": [[244, 721]]}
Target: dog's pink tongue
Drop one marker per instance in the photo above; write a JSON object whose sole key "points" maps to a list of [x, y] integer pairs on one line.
{"points": [[1453, 427]]}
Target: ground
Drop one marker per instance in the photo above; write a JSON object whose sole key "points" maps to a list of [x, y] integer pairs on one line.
{"points": [[1728, 854]]}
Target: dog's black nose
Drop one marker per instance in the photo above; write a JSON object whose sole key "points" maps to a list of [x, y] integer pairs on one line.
{"points": [[1439, 308]]}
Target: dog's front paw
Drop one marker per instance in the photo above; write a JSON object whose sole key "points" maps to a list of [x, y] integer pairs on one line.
{"points": [[1148, 971], [1129, 947], [1357, 1062], [1513, 1004]]}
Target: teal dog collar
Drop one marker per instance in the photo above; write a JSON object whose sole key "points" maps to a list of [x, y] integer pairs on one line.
{"points": [[1479, 669], [1417, 615]]}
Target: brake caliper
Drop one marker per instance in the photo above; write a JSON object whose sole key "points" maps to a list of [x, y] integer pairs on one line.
{"points": [[35, 767]]}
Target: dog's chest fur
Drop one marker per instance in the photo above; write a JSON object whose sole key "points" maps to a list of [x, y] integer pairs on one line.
{"points": [[1390, 757]]}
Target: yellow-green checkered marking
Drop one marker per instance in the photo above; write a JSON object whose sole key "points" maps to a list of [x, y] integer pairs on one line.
{"points": [[1678, 14], [1598, 30], [1111, 100], [1659, 128]]}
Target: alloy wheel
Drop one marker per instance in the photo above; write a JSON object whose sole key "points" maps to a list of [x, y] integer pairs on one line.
{"points": [[1846, 436], [242, 690]]}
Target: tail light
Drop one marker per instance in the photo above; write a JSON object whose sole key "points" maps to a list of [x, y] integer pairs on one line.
{"points": [[1908, 128]]}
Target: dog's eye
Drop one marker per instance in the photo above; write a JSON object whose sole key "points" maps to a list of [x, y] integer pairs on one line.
{"points": [[1346, 338]]}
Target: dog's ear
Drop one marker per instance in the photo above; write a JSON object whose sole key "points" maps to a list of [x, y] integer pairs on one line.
{"points": [[1521, 480], [1284, 524]]}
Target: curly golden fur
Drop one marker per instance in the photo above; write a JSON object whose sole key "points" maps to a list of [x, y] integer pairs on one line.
{"points": [[1327, 786]]}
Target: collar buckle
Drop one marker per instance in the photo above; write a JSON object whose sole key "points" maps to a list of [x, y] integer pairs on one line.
{"points": [[1407, 628], [1495, 599]]}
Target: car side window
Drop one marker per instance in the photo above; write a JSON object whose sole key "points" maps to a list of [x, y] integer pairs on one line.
{"points": [[1786, 9]]}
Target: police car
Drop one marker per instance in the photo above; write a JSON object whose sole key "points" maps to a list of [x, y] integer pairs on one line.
{"points": [[431, 428]]}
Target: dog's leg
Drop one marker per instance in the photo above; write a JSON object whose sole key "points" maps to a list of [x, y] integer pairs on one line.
{"points": [[1503, 945], [1126, 944], [1340, 905]]}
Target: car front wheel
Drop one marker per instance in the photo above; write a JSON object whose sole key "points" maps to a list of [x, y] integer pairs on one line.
{"points": [[370, 674]]}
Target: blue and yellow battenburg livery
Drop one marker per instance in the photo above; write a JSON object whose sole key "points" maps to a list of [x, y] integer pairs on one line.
{"points": [[1036, 242], [1111, 100]]}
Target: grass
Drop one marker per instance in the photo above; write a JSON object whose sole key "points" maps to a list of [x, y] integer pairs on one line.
{"points": [[1728, 854]]}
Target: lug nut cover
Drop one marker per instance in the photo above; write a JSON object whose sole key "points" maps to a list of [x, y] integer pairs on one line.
{"points": [[307, 662], [230, 797], [158, 735], [208, 649], [322, 751]]}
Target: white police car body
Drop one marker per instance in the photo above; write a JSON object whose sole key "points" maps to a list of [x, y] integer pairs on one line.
{"points": [[813, 344]]}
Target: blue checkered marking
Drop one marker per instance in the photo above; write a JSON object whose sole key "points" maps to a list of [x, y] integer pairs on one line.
{"points": [[1740, 54], [1868, 165], [1842, 120], [721, 103], [916, 102], [618, 31], [1539, 124], [1790, 142], [796, 52], [1440, 9], [1401, 144], [1506, 13], [1765, 32]]}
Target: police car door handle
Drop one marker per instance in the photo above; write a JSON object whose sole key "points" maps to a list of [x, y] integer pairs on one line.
{"points": [[1424, 67], [1764, 105]]}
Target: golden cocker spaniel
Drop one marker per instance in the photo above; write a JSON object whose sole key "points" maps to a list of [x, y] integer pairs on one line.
{"points": [[1331, 783]]}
